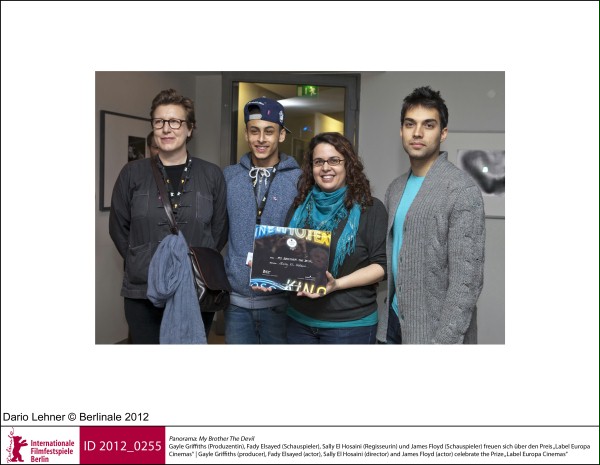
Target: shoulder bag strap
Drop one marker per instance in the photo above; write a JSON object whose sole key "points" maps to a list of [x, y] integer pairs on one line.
{"points": [[164, 196]]}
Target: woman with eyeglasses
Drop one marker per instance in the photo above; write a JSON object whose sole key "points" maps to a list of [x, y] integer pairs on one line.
{"points": [[334, 195], [138, 221]]}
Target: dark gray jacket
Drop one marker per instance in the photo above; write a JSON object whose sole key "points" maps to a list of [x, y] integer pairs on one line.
{"points": [[138, 221]]}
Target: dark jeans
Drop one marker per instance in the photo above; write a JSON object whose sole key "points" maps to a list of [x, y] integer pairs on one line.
{"points": [[394, 336], [144, 321], [298, 333], [255, 326]]}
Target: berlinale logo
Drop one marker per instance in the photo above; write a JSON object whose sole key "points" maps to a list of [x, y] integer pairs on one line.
{"points": [[14, 448]]}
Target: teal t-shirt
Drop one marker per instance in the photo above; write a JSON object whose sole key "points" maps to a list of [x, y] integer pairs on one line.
{"points": [[413, 185]]}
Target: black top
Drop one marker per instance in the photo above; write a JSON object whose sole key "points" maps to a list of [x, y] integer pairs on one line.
{"points": [[358, 302]]}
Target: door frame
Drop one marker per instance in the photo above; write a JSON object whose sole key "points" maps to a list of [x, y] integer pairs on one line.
{"points": [[349, 81]]}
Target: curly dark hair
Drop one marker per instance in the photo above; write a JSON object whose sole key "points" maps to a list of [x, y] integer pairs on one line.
{"points": [[172, 97], [359, 187]]}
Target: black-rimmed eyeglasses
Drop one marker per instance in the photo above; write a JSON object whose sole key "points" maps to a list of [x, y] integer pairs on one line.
{"points": [[158, 123], [333, 161]]}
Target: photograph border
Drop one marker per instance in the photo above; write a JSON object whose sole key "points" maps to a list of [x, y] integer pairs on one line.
{"points": [[115, 129], [494, 205]]}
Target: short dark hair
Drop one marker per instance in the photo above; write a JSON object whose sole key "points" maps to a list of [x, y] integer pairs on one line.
{"points": [[425, 97], [172, 97]]}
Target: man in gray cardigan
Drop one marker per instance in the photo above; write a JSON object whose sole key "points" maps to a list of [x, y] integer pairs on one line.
{"points": [[436, 236]]}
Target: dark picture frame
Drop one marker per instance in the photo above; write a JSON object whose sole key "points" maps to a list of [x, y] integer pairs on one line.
{"points": [[120, 135]]}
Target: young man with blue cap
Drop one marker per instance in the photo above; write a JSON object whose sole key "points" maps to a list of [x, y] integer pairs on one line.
{"points": [[260, 190]]}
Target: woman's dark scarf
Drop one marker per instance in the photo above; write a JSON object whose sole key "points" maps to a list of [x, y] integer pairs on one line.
{"points": [[323, 211], [171, 285]]}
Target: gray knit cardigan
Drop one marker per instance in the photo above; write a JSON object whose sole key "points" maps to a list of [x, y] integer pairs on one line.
{"points": [[440, 264]]}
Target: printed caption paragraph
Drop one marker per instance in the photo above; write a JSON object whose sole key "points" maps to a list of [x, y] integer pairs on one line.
{"points": [[378, 445], [124, 444]]}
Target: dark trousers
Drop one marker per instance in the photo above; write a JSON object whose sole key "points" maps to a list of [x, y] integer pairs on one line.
{"points": [[144, 320], [299, 333], [394, 336]]}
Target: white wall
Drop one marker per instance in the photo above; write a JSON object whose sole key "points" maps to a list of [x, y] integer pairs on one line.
{"points": [[475, 101], [324, 123], [208, 117]]}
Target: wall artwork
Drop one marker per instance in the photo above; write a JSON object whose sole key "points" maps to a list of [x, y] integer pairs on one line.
{"points": [[122, 140], [481, 155], [136, 148]]}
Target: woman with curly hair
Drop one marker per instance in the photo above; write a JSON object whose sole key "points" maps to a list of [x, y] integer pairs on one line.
{"points": [[335, 195]]}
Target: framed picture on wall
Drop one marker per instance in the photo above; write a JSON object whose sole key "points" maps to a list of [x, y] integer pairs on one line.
{"points": [[122, 140], [481, 155]]}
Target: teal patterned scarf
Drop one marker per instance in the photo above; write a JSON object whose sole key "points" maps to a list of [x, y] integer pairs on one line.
{"points": [[323, 211]]}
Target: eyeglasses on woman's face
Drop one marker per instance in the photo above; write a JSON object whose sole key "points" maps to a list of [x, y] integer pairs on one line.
{"points": [[332, 161], [158, 123]]}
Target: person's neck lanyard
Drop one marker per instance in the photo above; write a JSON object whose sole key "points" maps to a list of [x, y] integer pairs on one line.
{"points": [[260, 207]]}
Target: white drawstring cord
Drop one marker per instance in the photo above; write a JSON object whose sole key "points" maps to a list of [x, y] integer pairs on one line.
{"points": [[254, 174]]}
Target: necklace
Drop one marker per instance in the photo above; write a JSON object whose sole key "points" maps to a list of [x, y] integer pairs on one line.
{"points": [[175, 192]]}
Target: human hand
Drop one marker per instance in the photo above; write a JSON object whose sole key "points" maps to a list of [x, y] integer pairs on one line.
{"points": [[261, 288], [258, 288], [331, 286]]}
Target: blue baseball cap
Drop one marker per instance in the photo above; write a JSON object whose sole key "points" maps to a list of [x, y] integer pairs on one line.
{"points": [[270, 110]]}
